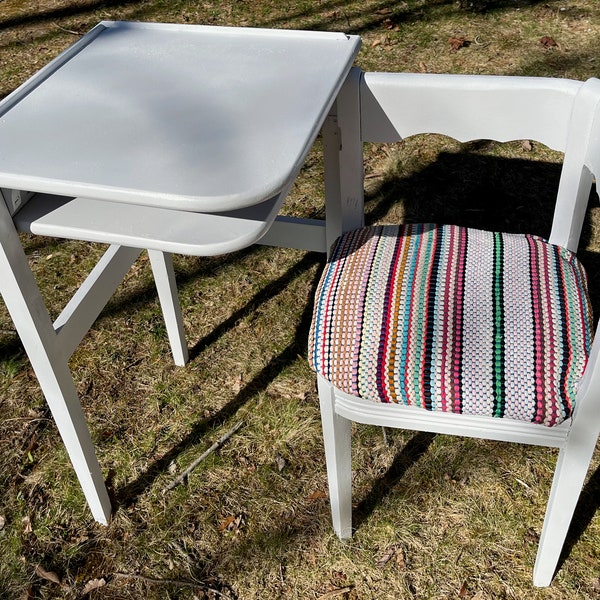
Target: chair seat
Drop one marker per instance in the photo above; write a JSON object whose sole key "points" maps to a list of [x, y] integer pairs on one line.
{"points": [[454, 319]]}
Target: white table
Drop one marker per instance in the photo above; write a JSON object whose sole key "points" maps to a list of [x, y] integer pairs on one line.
{"points": [[168, 138]]}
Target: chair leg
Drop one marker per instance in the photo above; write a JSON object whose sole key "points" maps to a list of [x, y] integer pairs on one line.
{"points": [[569, 475], [164, 278], [337, 441]]}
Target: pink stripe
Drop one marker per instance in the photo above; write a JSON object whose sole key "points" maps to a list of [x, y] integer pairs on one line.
{"points": [[457, 358], [537, 334], [450, 271]]}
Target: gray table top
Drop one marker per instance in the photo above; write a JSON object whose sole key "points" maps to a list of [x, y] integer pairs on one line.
{"points": [[187, 117]]}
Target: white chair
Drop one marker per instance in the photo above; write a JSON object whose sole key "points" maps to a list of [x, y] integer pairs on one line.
{"points": [[453, 330]]}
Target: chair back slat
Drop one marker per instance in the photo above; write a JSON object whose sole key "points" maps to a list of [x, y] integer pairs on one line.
{"points": [[467, 107], [581, 164]]}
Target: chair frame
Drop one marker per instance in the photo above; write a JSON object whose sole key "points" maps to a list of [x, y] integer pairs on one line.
{"points": [[562, 114]]}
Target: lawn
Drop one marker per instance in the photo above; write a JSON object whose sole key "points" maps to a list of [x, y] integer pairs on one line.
{"points": [[437, 517]]}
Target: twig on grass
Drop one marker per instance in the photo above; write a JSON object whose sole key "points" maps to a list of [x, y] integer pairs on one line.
{"points": [[71, 31], [208, 452], [338, 592]]}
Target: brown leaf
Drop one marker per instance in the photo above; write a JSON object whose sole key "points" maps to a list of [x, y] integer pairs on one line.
{"points": [[27, 528], [548, 42], [93, 584], [318, 495], [47, 575], [392, 552], [456, 43], [527, 145], [464, 590], [232, 523], [226, 523], [385, 558], [400, 559]]}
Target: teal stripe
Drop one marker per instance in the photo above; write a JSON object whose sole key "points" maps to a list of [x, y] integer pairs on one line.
{"points": [[498, 350]]}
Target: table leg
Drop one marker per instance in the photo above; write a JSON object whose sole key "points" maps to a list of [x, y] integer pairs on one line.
{"points": [[164, 278], [343, 156], [34, 326]]}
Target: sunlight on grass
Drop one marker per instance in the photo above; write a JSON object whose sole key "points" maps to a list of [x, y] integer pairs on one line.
{"points": [[437, 517]]}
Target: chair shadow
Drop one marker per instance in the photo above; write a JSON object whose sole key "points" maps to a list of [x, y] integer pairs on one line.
{"points": [[411, 452], [586, 509]]}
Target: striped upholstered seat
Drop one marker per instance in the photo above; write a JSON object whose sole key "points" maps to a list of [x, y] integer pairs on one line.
{"points": [[454, 319]]}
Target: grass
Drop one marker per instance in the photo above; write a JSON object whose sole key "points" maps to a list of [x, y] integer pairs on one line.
{"points": [[438, 517]]}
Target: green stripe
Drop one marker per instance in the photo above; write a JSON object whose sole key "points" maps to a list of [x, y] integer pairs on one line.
{"points": [[498, 365]]}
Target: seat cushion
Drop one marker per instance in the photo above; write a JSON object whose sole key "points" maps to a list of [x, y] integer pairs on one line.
{"points": [[454, 319]]}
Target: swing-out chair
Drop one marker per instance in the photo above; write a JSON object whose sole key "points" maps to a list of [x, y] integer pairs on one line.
{"points": [[448, 329]]}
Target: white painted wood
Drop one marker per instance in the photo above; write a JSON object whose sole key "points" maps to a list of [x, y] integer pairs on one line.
{"points": [[344, 170], [564, 115], [163, 229], [580, 166], [147, 131], [467, 107], [86, 304], [571, 470], [32, 321], [190, 117], [337, 438], [418, 419], [293, 232], [164, 277]]}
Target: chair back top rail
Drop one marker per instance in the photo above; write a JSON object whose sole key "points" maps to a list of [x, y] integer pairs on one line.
{"points": [[467, 107]]}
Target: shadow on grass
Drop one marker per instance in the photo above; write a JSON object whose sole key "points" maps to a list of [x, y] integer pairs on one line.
{"points": [[326, 15], [260, 382], [472, 189], [406, 458], [586, 509], [72, 10]]}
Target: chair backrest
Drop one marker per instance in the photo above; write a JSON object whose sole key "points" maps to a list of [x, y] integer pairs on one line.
{"points": [[562, 114]]}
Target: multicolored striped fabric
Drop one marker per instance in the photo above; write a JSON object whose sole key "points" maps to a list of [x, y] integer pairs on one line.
{"points": [[454, 319]]}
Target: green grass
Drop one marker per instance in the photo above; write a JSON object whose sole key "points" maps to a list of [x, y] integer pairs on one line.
{"points": [[438, 517]]}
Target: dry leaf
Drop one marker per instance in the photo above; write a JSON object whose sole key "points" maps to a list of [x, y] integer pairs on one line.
{"points": [[464, 590], [548, 42], [400, 562], [384, 11], [456, 43], [27, 528], [226, 523], [47, 575], [527, 145], [280, 463], [394, 552], [318, 495], [377, 42], [93, 584], [232, 523], [385, 558], [2, 521]]}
